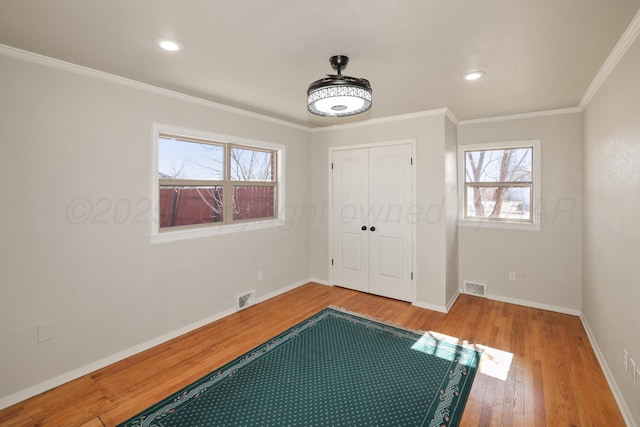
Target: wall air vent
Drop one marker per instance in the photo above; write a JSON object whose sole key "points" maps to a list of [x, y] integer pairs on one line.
{"points": [[474, 288], [246, 300]]}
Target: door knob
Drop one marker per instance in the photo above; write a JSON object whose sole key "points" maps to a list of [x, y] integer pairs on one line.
{"points": [[372, 229], [364, 228]]}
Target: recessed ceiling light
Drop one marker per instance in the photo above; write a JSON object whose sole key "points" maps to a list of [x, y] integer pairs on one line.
{"points": [[474, 75], [169, 45]]}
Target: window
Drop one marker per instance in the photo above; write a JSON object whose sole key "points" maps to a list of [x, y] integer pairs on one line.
{"points": [[214, 184], [500, 182]]}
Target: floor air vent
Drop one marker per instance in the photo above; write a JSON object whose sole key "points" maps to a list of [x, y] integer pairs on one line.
{"points": [[477, 289], [246, 300]]}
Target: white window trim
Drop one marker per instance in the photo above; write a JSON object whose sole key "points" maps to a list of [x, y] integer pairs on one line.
{"points": [[163, 236], [536, 224]]}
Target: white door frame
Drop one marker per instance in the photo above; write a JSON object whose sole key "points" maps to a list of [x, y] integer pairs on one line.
{"points": [[412, 142]]}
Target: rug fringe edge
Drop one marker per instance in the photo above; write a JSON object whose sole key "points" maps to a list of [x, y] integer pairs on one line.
{"points": [[376, 319], [440, 336]]}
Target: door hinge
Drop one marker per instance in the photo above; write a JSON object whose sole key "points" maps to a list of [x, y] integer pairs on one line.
{"points": [[412, 275], [412, 161], [331, 165], [331, 261]]}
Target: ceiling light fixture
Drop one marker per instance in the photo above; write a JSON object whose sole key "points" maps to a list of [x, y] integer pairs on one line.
{"points": [[337, 95], [169, 45], [474, 75]]}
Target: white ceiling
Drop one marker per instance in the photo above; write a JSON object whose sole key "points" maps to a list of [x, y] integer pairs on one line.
{"points": [[262, 55]]}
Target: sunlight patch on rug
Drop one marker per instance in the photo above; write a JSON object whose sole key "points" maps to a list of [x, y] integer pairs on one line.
{"points": [[494, 362]]}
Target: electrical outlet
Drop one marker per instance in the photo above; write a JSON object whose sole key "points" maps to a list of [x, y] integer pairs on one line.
{"points": [[521, 271], [626, 359], [512, 276]]}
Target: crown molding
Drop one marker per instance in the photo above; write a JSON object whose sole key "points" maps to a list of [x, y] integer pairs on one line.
{"points": [[628, 37], [388, 119], [522, 116], [90, 72], [451, 116]]}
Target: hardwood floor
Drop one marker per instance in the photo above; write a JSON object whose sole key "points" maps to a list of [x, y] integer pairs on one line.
{"points": [[538, 368]]}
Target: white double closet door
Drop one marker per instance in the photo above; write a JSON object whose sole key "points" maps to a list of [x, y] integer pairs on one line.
{"points": [[371, 224]]}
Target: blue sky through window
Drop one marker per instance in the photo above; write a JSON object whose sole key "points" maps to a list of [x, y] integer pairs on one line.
{"points": [[190, 160]]}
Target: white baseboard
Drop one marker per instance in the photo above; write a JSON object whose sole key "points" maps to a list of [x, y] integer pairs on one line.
{"points": [[109, 360], [432, 307], [557, 309], [617, 394], [49, 384], [439, 308], [320, 281], [613, 385], [281, 291], [453, 300]]}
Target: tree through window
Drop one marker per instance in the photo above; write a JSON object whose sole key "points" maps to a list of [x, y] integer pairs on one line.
{"points": [[499, 184], [204, 182]]}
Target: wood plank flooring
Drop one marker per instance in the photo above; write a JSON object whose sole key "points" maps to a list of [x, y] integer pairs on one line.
{"points": [[538, 368]]}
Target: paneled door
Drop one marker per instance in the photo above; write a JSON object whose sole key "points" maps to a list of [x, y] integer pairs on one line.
{"points": [[372, 233], [350, 235]]}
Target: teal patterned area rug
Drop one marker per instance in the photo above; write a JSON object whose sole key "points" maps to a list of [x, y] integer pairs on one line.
{"points": [[333, 369]]}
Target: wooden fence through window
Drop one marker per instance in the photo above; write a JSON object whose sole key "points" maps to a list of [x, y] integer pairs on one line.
{"points": [[201, 205]]}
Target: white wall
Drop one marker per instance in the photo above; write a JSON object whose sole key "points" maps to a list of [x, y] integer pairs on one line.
{"points": [[69, 137], [551, 257], [428, 130], [611, 232], [451, 209]]}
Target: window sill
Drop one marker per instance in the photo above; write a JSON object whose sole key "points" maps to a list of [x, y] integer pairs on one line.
{"points": [[219, 230], [500, 225]]}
